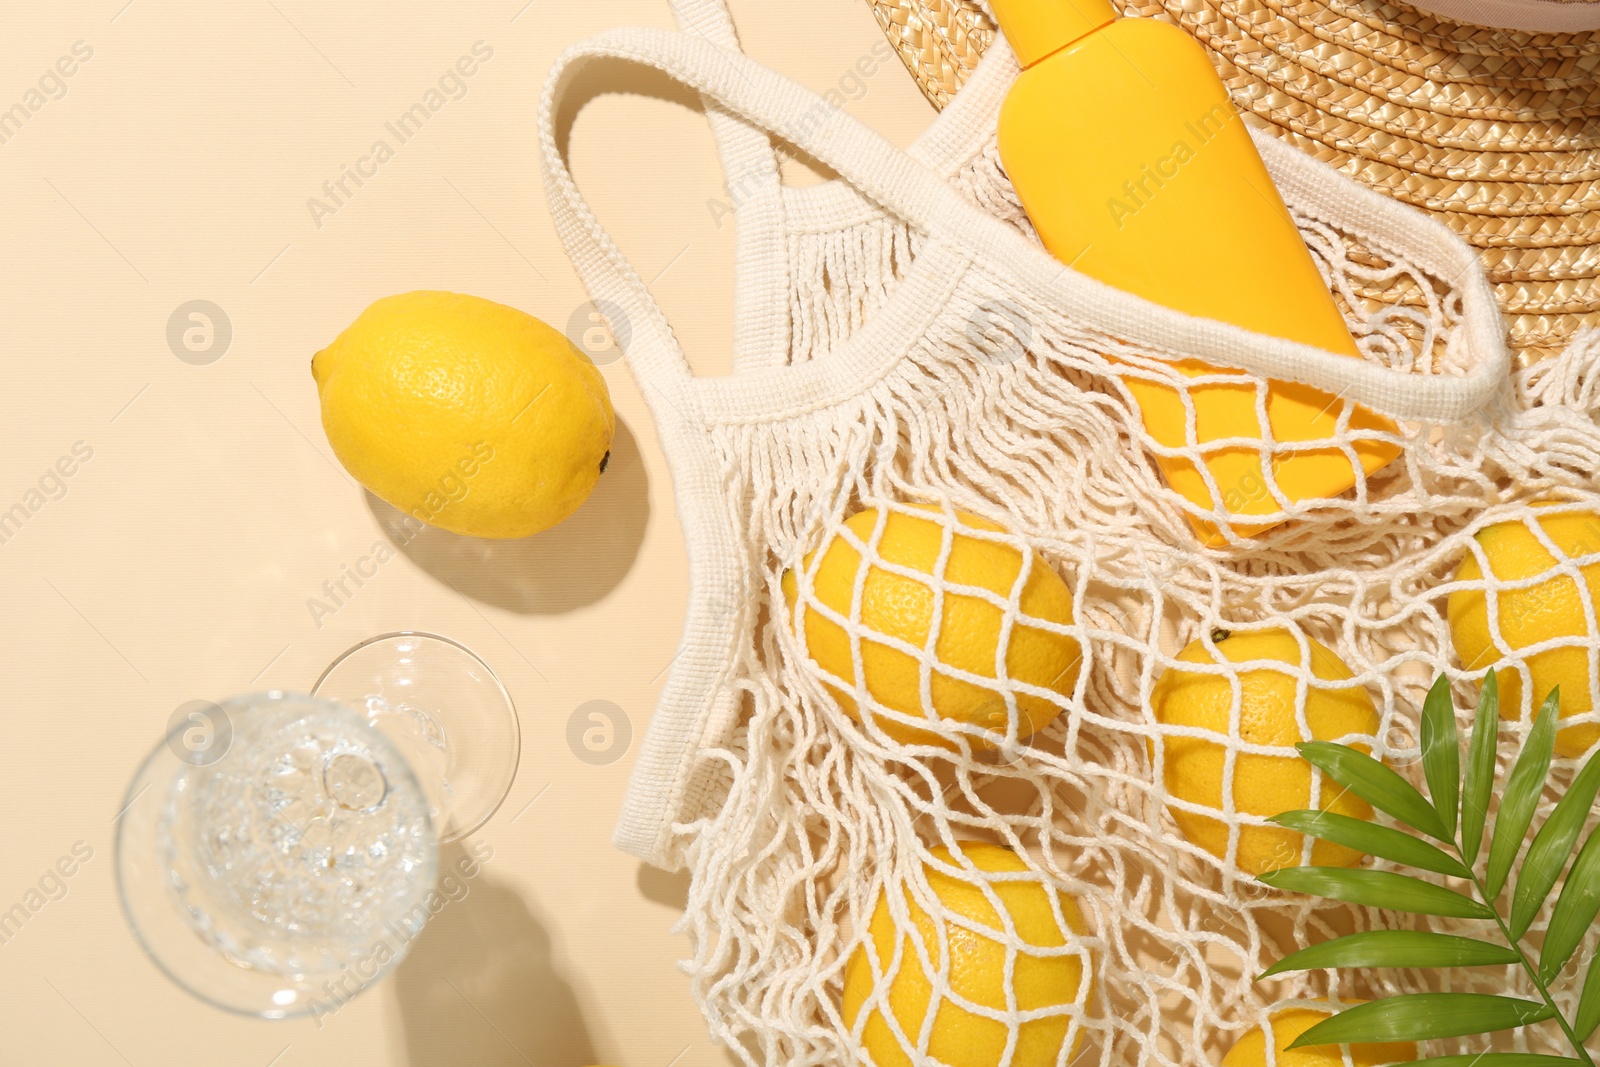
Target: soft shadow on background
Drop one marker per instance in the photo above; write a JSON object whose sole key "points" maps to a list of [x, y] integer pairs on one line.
{"points": [[480, 988], [568, 566], [670, 888]]}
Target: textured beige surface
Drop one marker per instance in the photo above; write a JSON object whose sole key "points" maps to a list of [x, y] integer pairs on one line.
{"points": [[177, 561]]}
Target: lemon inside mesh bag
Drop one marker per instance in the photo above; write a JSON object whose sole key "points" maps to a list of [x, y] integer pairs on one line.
{"points": [[938, 616]]}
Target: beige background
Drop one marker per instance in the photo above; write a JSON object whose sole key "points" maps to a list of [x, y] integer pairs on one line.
{"points": [[179, 561]]}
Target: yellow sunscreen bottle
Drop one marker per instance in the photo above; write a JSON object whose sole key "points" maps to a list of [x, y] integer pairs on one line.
{"points": [[1136, 169]]}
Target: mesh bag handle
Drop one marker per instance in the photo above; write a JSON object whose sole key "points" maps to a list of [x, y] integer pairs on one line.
{"points": [[746, 150], [767, 101], [908, 189], [750, 162]]}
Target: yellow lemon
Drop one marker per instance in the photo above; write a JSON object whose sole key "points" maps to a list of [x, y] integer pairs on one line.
{"points": [[902, 607], [464, 413], [961, 1038], [1533, 614], [1290, 1023], [1263, 784]]}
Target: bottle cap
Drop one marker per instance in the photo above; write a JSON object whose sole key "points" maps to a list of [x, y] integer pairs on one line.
{"points": [[1036, 28]]}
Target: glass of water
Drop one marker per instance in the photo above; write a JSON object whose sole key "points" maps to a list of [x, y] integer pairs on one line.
{"points": [[276, 853]]}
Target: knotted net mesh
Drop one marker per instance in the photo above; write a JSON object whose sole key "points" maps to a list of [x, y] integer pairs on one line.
{"points": [[837, 877]]}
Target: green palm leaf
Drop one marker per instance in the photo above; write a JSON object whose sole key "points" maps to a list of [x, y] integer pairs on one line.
{"points": [[1441, 753], [1480, 768], [1575, 909], [1521, 796], [1552, 846], [1459, 808], [1395, 948], [1374, 840], [1377, 889], [1375, 783], [1588, 1014], [1424, 1016]]}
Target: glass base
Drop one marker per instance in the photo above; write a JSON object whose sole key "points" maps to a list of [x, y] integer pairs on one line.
{"points": [[283, 868], [445, 710]]}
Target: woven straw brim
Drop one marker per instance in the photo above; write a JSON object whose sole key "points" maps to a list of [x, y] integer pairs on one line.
{"points": [[940, 41], [1495, 132]]}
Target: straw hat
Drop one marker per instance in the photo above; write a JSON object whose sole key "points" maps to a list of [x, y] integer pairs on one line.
{"points": [[1494, 130]]}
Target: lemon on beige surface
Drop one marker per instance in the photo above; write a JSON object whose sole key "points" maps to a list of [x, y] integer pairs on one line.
{"points": [[1263, 784], [902, 607], [975, 970], [1527, 616], [1289, 1023], [464, 413]]}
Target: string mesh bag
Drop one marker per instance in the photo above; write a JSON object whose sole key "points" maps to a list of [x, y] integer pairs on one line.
{"points": [[844, 837]]}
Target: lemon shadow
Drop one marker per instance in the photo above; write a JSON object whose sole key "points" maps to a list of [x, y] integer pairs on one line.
{"points": [[568, 566], [480, 985]]}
